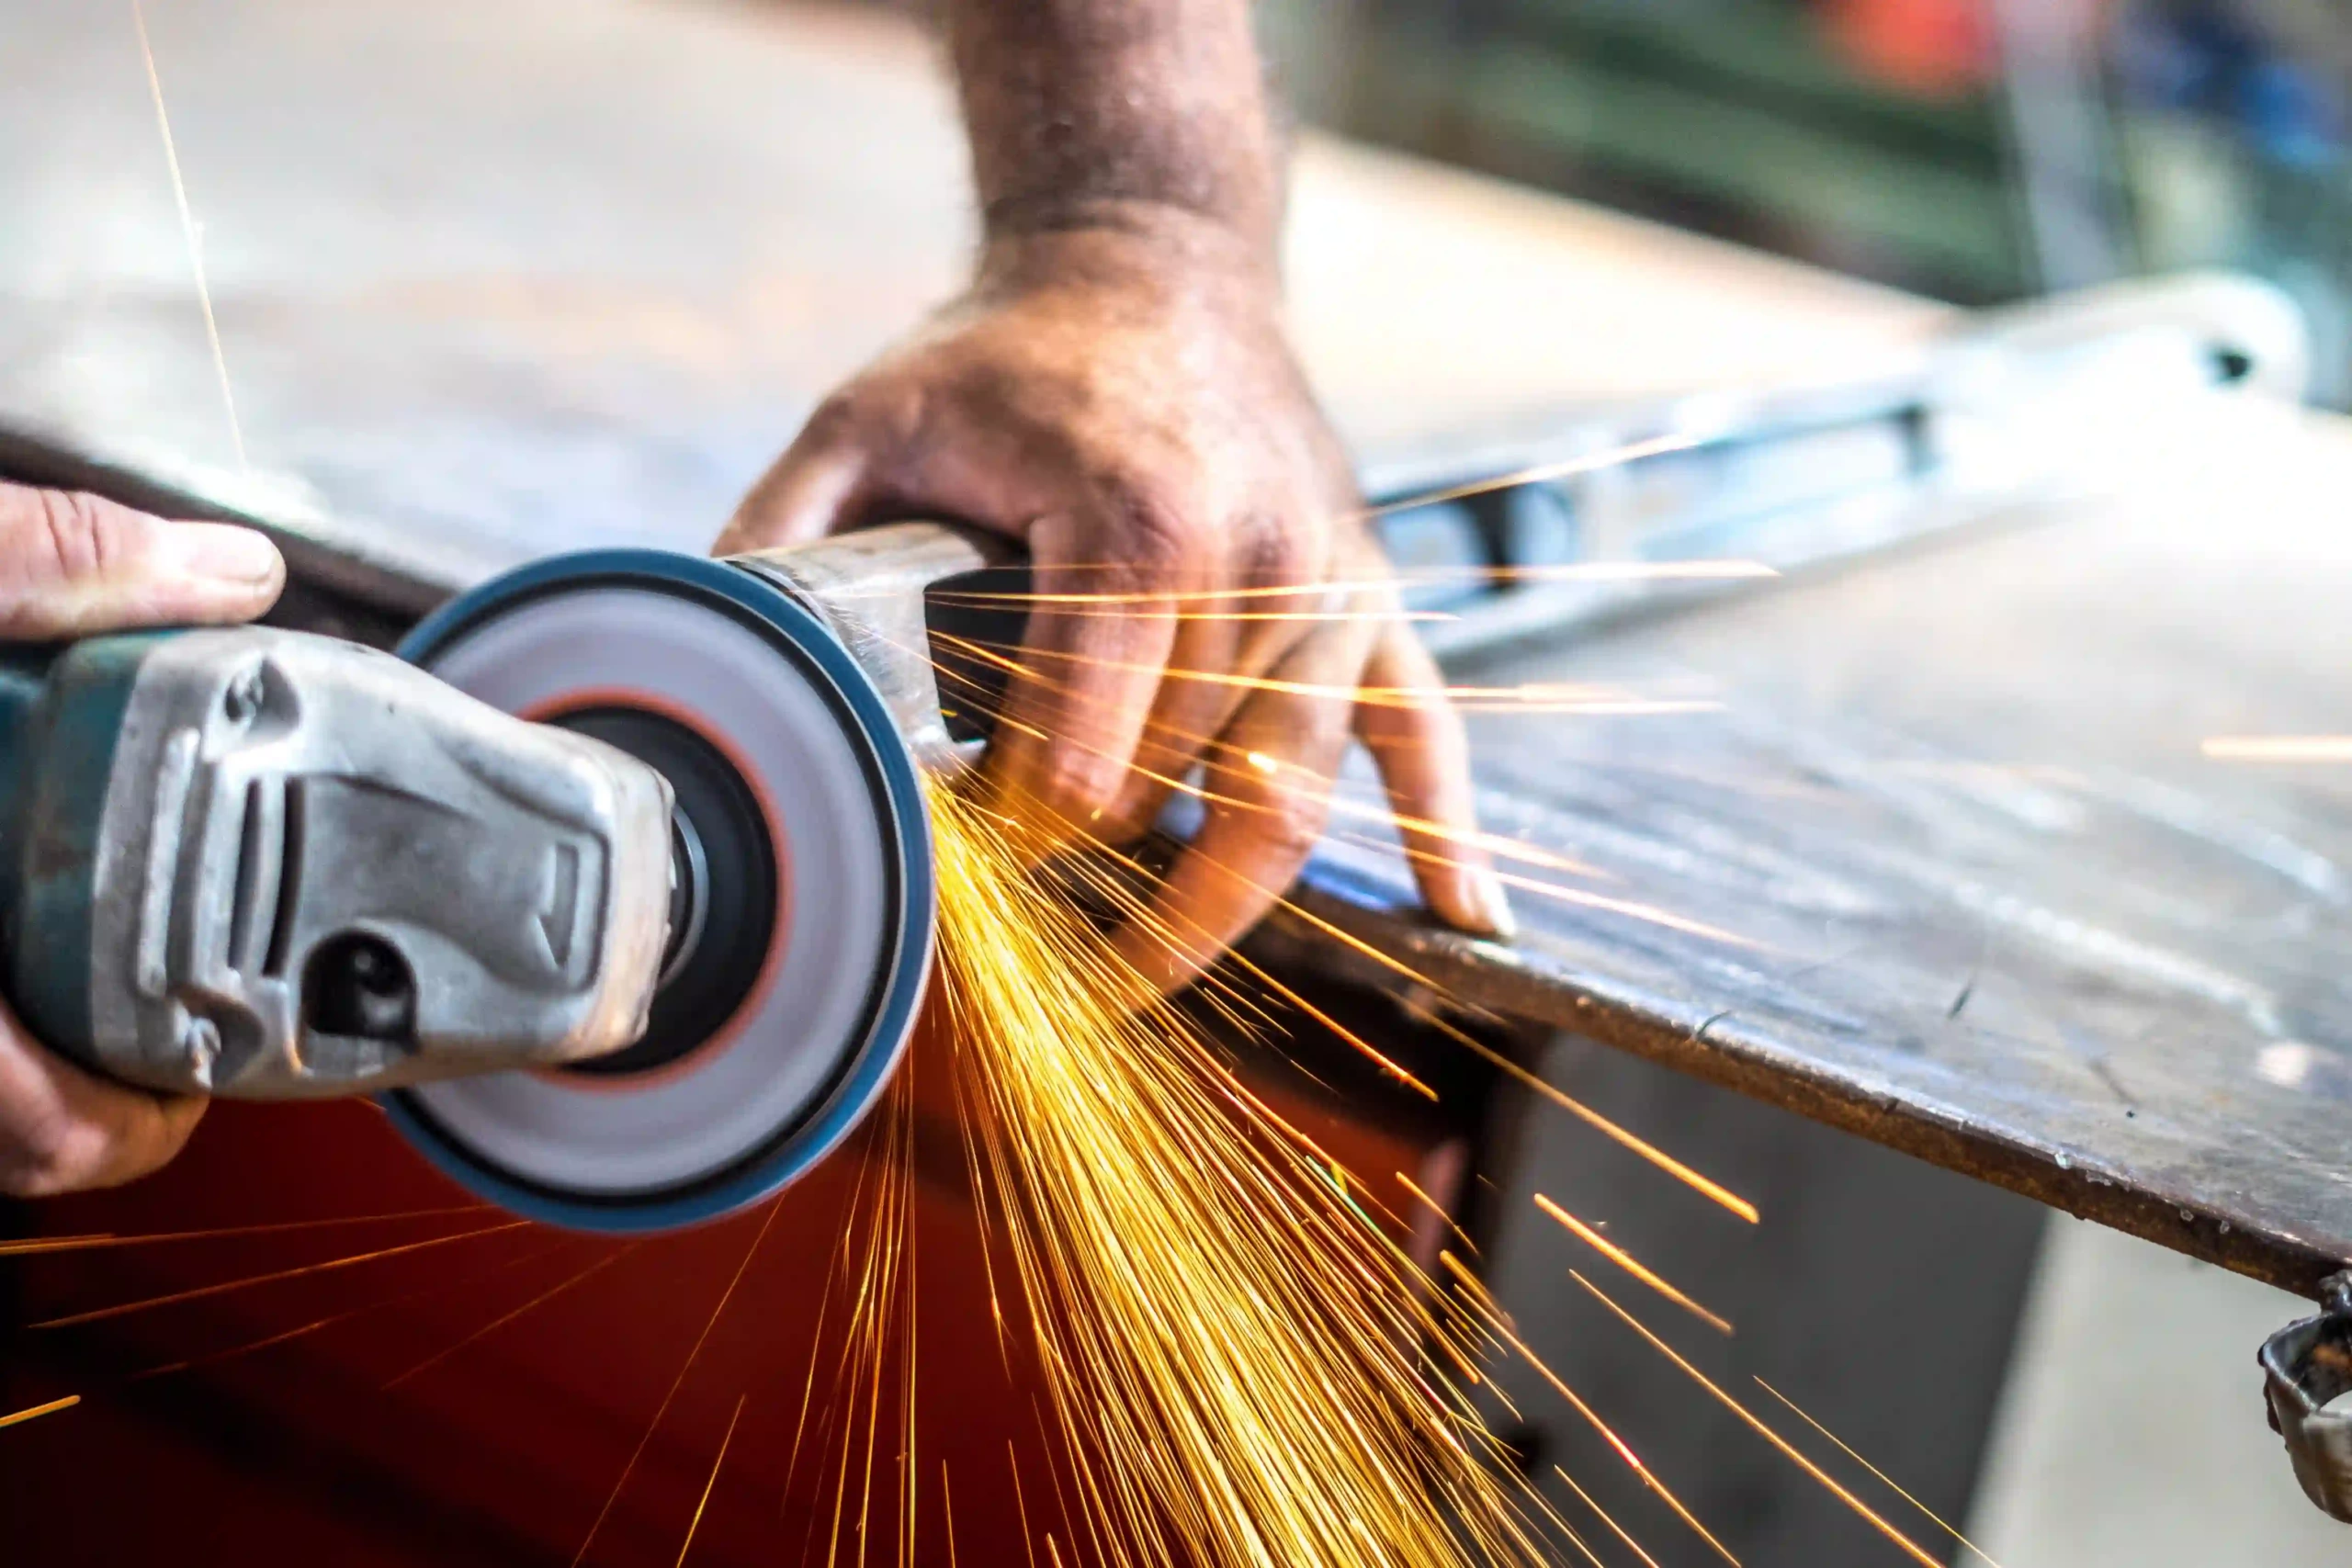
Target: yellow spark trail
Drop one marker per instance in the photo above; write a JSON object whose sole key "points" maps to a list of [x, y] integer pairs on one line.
{"points": [[496, 1323], [35, 1412], [1624, 1260], [1624, 1451], [685, 1367], [708, 1486], [1861, 1508], [1231, 1347], [188, 230], [1613, 1524], [212, 1358], [43, 1244], [203, 1291], [1890, 1482]]}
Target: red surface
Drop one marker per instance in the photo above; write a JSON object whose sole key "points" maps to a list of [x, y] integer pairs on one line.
{"points": [[505, 1450]]}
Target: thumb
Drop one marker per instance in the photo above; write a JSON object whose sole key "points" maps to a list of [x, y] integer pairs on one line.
{"points": [[812, 491], [72, 563]]}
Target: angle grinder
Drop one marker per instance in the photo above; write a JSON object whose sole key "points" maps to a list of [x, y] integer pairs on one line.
{"points": [[618, 891]]}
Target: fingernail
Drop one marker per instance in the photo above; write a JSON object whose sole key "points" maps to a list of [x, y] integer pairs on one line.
{"points": [[1486, 892], [224, 553]]}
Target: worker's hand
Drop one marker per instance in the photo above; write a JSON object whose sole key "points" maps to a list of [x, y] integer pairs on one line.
{"points": [[1124, 399], [71, 564]]}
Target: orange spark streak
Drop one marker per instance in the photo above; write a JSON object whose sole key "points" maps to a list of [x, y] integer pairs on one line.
{"points": [[775, 1207], [1438, 1208], [1609, 458], [1605, 1519], [188, 230], [1021, 1502], [1618, 1256], [1409, 617], [947, 1502], [1700, 570], [696, 1523], [1713, 1190], [35, 1411], [1874, 1470], [808, 1393], [56, 1244], [1769, 1436], [1649, 913], [201, 1291], [109, 1239], [593, 1268], [1341, 1030], [1592, 1417], [317, 1324], [1537, 698]]}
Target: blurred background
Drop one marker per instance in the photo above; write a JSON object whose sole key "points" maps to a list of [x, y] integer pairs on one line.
{"points": [[1976, 151], [584, 264]]}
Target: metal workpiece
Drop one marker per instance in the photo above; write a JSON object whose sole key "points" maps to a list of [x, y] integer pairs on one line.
{"points": [[317, 870], [2305, 1367]]}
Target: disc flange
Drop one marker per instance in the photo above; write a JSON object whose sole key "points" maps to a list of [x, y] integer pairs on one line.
{"points": [[777, 1033]]}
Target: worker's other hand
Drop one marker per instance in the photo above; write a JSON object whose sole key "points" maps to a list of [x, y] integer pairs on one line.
{"points": [[70, 565], [1123, 398]]}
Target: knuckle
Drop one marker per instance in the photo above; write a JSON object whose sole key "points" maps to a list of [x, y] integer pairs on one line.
{"points": [[1294, 820], [1081, 789], [1157, 536], [48, 1160], [1276, 554], [78, 533]]}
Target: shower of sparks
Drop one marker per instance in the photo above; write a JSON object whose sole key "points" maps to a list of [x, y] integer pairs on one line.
{"points": [[1889, 1481], [188, 230], [1132, 1172], [1864, 1510], [1618, 1256], [35, 1412], [2278, 747]]}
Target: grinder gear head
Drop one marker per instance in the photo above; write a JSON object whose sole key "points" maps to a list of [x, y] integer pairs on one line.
{"points": [[272, 865]]}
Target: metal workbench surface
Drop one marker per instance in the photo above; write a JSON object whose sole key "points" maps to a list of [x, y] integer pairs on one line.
{"points": [[1926, 848], [1942, 857]]}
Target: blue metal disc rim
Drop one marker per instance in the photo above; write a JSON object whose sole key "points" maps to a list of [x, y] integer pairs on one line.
{"points": [[769, 1172]]}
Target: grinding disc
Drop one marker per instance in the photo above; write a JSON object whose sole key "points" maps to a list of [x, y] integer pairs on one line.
{"points": [[778, 1027]]}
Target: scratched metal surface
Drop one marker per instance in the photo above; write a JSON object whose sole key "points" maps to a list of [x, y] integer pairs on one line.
{"points": [[1968, 884]]}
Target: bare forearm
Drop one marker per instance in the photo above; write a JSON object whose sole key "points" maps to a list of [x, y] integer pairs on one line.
{"points": [[1086, 113]]}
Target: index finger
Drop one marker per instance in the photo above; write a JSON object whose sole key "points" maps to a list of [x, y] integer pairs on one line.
{"points": [[1083, 684], [1269, 795]]}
